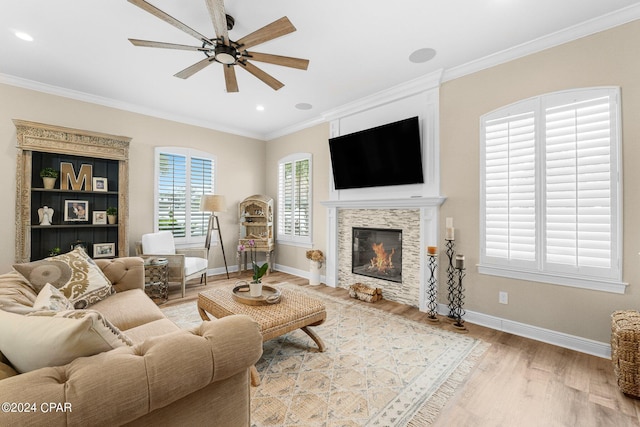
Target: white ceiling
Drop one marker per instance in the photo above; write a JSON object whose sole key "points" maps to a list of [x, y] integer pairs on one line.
{"points": [[356, 48]]}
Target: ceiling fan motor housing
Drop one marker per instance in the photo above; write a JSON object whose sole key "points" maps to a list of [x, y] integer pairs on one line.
{"points": [[225, 54]]}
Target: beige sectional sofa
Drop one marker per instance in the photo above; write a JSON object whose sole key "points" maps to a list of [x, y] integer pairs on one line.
{"points": [[156, 374]]}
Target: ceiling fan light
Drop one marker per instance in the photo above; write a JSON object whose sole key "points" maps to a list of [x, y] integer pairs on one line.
{"points": [[225, 54]]}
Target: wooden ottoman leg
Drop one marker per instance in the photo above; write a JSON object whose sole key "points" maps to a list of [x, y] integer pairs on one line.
{"points": [[203, 314], [315, 338]]}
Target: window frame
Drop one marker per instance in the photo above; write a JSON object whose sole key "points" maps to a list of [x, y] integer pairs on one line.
{"points": [[291, 239], [540, 270], [188, 153]]}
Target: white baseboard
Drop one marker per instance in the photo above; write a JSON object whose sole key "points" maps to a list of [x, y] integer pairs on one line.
{"points": [[296, 272], [548, 336]]}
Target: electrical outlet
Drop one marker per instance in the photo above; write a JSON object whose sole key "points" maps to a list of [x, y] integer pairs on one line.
{"points": [[503, 297]]}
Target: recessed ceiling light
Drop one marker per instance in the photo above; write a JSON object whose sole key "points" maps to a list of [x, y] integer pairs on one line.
{"points": [[260, 107], [23, 36], [422, 55], [304, 106]]}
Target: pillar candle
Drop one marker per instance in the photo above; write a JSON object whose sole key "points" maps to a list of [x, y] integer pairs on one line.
{"points": [[450, 235], [431, 250], [460, 261]]}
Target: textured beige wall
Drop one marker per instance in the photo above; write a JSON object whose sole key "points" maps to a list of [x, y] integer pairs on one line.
{"points": [[241, 166], [606, 59], [313, 140]]}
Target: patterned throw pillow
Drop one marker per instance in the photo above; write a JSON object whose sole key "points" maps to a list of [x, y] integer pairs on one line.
{"points": [[51, 299], [49, 338], [79, 279]]}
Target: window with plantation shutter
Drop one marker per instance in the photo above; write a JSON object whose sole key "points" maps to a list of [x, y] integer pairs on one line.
{"points": [[294, 199], [182, 177], [550, 202]]}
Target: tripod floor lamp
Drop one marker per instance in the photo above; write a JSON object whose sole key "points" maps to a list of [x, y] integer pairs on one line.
{"points": [[214, 203]]}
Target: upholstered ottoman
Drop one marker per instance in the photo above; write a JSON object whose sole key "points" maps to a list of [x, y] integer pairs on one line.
{"points": [[625, 350]]}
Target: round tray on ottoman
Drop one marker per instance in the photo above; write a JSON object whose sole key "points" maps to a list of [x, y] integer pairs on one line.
{"points": [[269, 295]]}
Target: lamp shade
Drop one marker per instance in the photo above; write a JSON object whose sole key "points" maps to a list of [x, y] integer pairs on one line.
{"points": [[213, 203]]}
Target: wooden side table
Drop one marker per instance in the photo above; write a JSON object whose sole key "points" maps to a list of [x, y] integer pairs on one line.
{"points": [[242, 256], [156, 279]]}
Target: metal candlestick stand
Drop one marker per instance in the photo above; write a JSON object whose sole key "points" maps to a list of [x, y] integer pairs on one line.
{"points": [[459, 302], [432, 290], [451, 279]]}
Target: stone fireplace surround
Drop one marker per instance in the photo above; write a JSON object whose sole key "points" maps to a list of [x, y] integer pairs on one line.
{"points": [[416, 217]]}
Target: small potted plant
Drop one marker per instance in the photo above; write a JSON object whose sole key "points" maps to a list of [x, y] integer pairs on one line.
{"points": [[49, 176], [258, 271], [112, 215], [54, 251]]}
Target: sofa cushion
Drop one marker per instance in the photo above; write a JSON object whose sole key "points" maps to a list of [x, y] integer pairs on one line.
{"points": [[16, 294], [6, 371], [47, 338], [52, 299], [151, 329], [129, 309], [73, 273]]}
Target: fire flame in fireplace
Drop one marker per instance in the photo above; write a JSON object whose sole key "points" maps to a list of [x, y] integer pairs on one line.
{"points": [[382, 262]]}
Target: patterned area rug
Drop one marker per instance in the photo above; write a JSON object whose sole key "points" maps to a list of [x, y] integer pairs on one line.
{"points": [[379, 369]]}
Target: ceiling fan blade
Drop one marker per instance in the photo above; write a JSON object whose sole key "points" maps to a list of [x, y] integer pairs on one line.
{"points": [[285, 61], [189, 71], [168, 19], [266, 78], [218, 18], [163, 45], [230, 78], [269, 32]]}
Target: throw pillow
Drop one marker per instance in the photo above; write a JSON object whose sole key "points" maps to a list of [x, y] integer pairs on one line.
{"points": [[76, 275], [52, 299], [47, 338]]}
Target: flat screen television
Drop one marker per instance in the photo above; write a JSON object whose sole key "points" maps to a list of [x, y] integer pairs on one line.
{"points": [[385, 155]]}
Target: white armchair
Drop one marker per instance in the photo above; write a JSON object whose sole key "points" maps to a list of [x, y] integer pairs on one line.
{"points": [[184, 264]]}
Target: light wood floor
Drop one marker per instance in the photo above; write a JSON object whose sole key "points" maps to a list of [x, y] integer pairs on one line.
{"points": [[517, 382]]}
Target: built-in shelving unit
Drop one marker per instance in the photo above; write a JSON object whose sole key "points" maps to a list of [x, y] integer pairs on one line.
{"points": [[41, 146]]}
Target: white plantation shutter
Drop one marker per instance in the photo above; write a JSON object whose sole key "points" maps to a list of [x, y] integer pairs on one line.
{"points": [[201, 173], [182, 177], [510, 202], [294, 198], [302, 214], [550, 190], [172, 190], [579, 184]]}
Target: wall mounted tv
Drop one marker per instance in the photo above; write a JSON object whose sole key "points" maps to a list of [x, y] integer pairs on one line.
{"points": [[376, 157]]}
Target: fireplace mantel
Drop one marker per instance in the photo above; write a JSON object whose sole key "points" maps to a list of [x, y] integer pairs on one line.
{"points": [[411, 202]]}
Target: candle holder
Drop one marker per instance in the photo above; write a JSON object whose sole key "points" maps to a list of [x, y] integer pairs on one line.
{"points": [[432, 290], [459, 302], [451, 279]]}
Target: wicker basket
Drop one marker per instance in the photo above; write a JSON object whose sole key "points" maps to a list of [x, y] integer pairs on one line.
{"points": [[625, 350]]}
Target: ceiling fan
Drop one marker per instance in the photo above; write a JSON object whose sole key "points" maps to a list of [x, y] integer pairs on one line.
{"points": [[222, 50]]}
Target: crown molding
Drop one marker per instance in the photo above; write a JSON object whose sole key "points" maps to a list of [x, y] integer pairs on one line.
{"points": [[587, 28], [119, 105], [392, 94]]}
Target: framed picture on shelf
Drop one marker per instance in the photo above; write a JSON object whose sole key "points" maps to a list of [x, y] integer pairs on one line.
{"points": [[76, 210], [79, 244], [99, 217], [100, 184], [104, 250]]}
